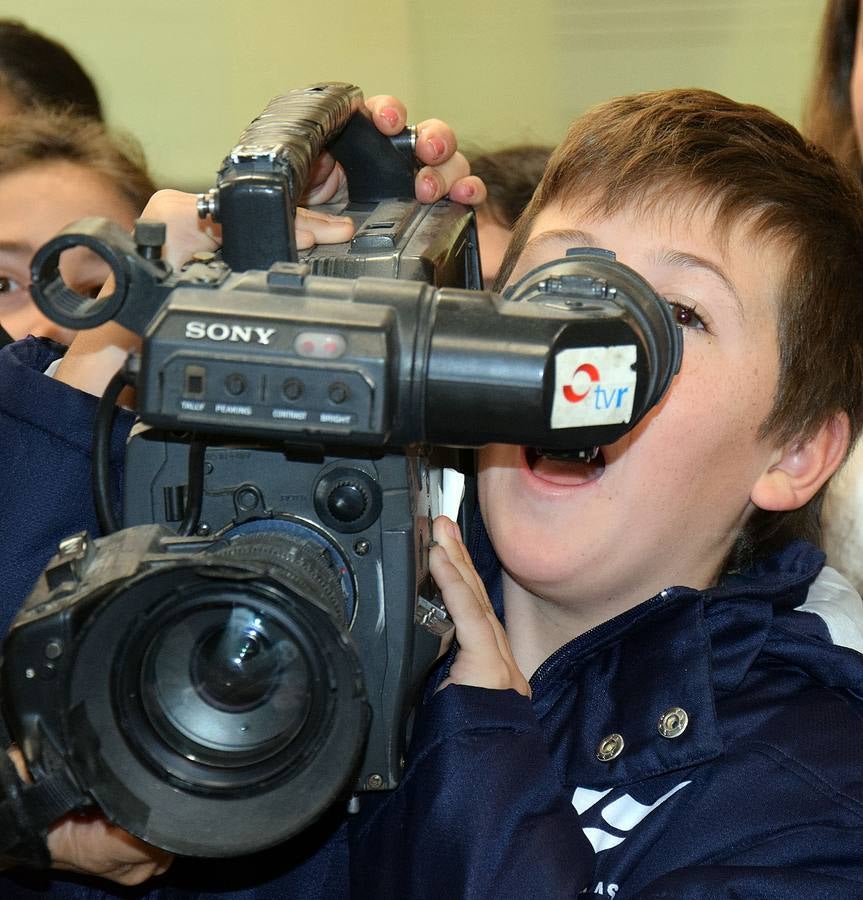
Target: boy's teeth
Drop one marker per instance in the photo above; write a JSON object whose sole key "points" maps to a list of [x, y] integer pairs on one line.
{"points": [[567, 472]]}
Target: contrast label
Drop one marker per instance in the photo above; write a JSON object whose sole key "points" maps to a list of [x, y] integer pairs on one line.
{"points": [[594, 386]]}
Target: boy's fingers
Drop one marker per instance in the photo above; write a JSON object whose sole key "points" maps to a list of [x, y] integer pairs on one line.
{"points": [[470, 190], [388, 113], [448, 535], [436, 142], [186, 233], [474, 630], [460, 598], [326, 181], [433, 182], [93, 846], [319, 228], [450, 541]]}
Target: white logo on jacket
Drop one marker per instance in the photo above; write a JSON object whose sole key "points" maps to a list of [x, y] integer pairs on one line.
{"points": [[622, 814]]}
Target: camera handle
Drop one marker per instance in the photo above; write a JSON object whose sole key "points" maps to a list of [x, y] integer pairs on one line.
{"points": [[261, 180], [27, 810]]}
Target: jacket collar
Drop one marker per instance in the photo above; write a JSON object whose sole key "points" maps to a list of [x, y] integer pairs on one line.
{"points": [[675, 651]]}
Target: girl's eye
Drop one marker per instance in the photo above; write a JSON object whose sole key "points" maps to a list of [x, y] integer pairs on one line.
{"points": [[686, 316], [8, 285]]}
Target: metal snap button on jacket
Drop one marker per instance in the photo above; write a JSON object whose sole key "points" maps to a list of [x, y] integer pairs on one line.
{"points": [[610, 747], [673, 722]]}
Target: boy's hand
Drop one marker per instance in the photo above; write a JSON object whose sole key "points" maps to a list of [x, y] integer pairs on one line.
{"points": [[445, 170], [484, 657], [187, 234], [92, 846]]}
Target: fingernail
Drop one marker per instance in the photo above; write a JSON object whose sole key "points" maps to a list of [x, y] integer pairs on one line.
{"points": [[437, 147], [391, 115], [430, 187], [468, 190]]}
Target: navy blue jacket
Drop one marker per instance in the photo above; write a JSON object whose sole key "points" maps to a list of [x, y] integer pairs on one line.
{"points": [[760, 795], [45, 495]]}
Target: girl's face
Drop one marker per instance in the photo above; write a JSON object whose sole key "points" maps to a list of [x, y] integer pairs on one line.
{"points": [[36, 203]]}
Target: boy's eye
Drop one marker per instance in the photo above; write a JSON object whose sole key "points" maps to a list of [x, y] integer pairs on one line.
{"points": [[686, 316], [8, 285]]}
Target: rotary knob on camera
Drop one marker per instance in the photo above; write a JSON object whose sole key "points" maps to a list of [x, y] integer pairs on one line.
{"points": [[347, 499]]}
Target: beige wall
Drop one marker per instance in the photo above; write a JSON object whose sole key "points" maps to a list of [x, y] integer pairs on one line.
{"points": [[186, 76]]}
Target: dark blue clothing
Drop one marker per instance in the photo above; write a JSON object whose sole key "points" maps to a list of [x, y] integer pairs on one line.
{"points": [[760, 796], [46, 429]]}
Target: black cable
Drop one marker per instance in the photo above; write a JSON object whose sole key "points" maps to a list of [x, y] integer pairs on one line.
{"points": [[195, 488], [101, 453]]}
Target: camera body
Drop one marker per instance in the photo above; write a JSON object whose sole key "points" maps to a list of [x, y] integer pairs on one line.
{"points": [[248, 646], [116, 676]]}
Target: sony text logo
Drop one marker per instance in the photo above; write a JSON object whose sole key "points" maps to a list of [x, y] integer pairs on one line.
{"points": [[224, 331]]}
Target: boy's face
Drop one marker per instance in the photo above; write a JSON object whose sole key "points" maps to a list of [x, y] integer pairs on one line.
{"points": [[663, 504]]}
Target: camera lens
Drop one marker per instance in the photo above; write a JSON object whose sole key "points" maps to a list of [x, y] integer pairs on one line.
{"points": [[234, 688], [236, 668], [228, 684]]}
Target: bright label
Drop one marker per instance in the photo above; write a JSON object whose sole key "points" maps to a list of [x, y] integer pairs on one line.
{"points": [[593, 386]]}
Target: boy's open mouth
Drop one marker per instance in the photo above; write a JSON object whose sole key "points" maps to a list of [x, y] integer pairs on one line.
{"points": [[565, 472]]}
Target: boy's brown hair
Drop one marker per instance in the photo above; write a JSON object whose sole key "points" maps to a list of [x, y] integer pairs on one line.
{"points": [[44, 136], [686, 150]]}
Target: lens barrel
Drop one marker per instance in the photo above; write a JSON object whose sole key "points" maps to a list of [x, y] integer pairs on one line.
{"points": [[235, 693]]}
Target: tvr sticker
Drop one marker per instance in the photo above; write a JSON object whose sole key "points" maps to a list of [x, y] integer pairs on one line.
{"points": [[594, 386]]}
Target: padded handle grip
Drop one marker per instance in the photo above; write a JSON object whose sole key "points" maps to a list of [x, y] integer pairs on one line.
{"points": [[289, 135], [262, 178]]}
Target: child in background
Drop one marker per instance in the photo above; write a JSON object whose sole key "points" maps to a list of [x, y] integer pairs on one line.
{"points": [[56, 168], [38, 72], [834, 119], [510, 176]]}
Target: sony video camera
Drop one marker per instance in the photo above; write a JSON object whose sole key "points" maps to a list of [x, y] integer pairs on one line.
{"points": [[246, 649]]}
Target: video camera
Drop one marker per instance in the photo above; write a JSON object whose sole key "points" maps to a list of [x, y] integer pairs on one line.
{"points": [[247, 648]]}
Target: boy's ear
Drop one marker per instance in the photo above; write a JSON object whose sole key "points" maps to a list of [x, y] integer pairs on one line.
{"points": [[802, 467]]}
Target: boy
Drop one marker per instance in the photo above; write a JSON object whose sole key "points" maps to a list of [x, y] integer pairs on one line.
{"points": [[693, 741], [679, 741]]}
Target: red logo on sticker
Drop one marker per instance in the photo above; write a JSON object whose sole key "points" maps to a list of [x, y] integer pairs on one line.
{"points": [[592, 373]]}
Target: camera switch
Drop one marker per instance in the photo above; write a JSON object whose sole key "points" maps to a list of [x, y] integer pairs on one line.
{"points": [[195, 381], [292, 389], [338, 392], [235, 384]]}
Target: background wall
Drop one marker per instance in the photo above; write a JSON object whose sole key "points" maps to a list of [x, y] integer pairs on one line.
{"points": [[186, 76]]}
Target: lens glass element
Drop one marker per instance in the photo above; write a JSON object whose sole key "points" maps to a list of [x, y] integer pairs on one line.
{"points": [[230, 681]]}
